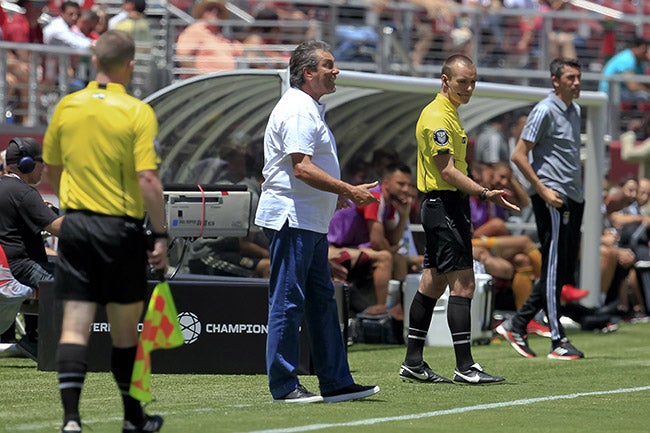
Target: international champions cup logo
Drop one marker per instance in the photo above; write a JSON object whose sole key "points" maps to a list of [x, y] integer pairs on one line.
{"points": [[190, 326]]}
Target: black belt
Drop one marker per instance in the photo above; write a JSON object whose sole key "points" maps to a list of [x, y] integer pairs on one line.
{"points": [[444, 194]]}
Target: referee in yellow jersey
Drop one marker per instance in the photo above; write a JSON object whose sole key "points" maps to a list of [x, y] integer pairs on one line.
{"points": [[445, 212], [101, 160]]}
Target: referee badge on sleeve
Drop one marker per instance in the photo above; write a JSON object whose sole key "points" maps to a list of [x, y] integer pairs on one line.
{"points": [[440, 137]]}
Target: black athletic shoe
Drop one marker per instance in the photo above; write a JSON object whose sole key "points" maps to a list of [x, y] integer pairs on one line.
{"points": [[475, 375], [565, 351], [299, 395], [518, 341], [352, 392], [150, 423], [421, 373], [71, 427]]}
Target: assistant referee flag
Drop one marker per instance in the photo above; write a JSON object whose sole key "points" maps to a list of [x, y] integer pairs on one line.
{"points": [[161, 330]]}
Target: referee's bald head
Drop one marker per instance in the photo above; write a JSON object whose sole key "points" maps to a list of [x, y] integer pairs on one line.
{"points": [[113, 50], [451, 62]]}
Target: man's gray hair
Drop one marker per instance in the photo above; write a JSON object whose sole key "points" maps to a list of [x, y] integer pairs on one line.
{"points": [[305, 56]]}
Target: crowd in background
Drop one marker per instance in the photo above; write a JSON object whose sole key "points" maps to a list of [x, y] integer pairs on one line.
{"points": [[514, 34]]}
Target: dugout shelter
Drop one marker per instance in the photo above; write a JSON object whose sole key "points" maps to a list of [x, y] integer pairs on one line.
{"points": [[200, 116]]}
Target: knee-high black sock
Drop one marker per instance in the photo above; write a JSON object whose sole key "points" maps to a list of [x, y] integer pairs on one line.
{"points": [[71, 371], [460, 325], [122, 367], [419, 322]]}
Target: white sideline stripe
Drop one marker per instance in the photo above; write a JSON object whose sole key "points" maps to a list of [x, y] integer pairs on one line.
{"points": [[370, 421], [454, 411]]}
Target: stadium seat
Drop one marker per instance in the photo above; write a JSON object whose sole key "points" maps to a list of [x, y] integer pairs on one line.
{"points": [[627, 105], [643, 105]]}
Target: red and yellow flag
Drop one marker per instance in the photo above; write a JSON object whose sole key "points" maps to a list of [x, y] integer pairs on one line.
{"points": [[160, 331]]}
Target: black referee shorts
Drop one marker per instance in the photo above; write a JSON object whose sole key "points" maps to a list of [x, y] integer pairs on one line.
{"points": [[101, 259], [448, 230]]}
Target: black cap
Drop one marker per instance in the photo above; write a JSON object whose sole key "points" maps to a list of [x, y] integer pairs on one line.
{"points": [[30, 147]]}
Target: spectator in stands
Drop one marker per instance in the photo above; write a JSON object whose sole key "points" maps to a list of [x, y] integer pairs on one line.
{"points": [[127, 7], [632, 152], [491, 145], [522, 33], [490, 20], [617, 32], [23, 28], [378, 226], [87, 22], [54, 6], [630, 62], [20, 28], [137, 26], [433, 21], [24, 215], [257, 39], [61, 30], [561, 39], [461, 36], [201, 47], [102, 24]]}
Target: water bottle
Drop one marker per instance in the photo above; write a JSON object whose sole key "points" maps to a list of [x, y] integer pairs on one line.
{"points": [[392, 298], [9, 116]]}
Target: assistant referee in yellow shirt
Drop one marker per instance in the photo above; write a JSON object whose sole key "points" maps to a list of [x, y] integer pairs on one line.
{"points": [[101, 160], [442, 176]]}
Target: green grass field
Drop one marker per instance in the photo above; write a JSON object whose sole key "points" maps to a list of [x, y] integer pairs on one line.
{"points": [[609, 391]]}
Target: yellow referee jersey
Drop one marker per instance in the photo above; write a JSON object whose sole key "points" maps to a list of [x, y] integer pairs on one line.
{"points": [[102, 137], [439, 131]]}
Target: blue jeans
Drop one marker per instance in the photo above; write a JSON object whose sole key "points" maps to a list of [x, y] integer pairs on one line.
{"points": [[300, 285]]}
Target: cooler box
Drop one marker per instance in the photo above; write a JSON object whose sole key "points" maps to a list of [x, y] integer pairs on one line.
{"points": [[482, 309]]}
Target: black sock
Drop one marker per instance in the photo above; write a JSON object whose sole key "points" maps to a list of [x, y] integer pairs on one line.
{"points": [[122, 367], [71, 371], [420, 316], [460, 325]]}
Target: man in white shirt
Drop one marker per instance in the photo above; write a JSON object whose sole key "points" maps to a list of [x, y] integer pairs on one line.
{"points": [[60, 31], [299, 195]]}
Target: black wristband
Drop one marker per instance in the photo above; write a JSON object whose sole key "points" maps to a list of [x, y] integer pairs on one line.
{"points": [[160, 235], [483, 194]]}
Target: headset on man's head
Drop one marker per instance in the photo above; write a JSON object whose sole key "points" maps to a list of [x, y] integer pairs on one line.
{"points": [[26, 164]]}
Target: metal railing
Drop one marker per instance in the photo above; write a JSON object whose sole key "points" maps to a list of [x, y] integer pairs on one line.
{"points": [[390, 38]]}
